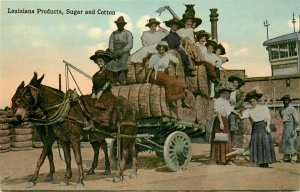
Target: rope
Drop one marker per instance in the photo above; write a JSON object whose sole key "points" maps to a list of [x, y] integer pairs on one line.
{"points": [[75, 81]]}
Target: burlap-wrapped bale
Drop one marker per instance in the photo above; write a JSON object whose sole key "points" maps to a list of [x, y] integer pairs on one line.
{"points": [[4, 137], [134, 96], [165, 109], [124, 91], [172, 69], [198, 83], [20, 131], [21, 138], [4, 132], [201, 106], [115, 90], [140, 72], [144, 100], [186, 114], [131, 79], [155, 104]]}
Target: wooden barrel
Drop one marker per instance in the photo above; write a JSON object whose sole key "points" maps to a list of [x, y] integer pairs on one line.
{"points": [[131, 79], [155, 104], [144, 100]]}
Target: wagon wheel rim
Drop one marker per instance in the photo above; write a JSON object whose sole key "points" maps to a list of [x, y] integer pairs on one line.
{"points": [[177, 151]]}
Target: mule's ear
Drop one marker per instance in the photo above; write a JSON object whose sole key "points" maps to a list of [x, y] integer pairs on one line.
{"points": [[34, 79], [21, 85], [40, 79]]}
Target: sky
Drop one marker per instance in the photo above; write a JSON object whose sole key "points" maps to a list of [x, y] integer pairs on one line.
{"points": [[40, 42]]}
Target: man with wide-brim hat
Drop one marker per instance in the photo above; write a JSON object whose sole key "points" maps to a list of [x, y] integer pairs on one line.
{"points": [[120, 44], [173, 41], [289, 143]]}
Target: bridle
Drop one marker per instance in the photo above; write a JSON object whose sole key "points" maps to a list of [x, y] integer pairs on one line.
{"points": [[34, 93]]}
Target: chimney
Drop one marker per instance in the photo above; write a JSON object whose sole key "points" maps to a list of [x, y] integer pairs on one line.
{"points": [[214, 19]]}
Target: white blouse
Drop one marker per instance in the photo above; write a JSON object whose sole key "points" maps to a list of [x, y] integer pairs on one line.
{"points": [[161, 63], [213, 59], [203, 50], [289, 114], [259, 113], [223, 107], [186, 33], [152, 38]]}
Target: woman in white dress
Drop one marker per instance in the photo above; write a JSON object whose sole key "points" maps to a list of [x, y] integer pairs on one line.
{"points": [[150, 40], [261, 144]]}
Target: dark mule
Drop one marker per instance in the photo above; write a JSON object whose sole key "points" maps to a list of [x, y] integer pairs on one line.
{"points": [[48, 134], [70, 132]]}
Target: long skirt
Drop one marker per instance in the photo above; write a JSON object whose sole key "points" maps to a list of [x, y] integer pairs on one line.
{"points": [[261, 144], [173, 89], [289, 143], [219, 150]]}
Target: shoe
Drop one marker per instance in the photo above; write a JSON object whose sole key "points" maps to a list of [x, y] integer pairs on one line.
{"points": [[184, 105], [192, 68], [230, 163], [173, 104]]}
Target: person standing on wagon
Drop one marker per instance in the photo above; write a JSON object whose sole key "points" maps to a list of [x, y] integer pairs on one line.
{"points": [[261, 144], [223, 109], [120, 44], [289, 143], [158, 64]]}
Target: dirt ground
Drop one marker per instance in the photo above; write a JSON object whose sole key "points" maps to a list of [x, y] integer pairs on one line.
{"points": [[201, 174]]}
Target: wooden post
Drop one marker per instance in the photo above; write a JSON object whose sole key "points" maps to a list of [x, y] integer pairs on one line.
{"points": [[59, 82]]}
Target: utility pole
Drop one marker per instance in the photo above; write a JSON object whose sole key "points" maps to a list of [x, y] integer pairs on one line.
{"points": [[266, 24], [294, 21]]}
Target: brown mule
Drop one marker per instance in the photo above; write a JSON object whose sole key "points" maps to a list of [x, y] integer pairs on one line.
{"points": [[69, 132]]}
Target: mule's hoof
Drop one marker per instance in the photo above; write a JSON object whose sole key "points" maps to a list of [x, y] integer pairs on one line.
{"points": [[79, 185], [90, 172], [30, 184], [117, 179], [133, 176], [63, 183], [107, 172], [48, 178]]}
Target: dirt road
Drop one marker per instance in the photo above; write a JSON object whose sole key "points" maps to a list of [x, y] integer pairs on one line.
{"points": [[201, 174]]}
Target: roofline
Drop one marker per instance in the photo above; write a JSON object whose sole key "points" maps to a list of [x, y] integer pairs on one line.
{"points": [[278, 77], [297, 34]]}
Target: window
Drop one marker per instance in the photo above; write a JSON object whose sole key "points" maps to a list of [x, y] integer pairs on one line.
{"points": [[292, 49], [274, 52], [283, 51]]}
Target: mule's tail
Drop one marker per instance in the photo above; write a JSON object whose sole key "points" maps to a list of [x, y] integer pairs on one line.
{"points": [[59, 150]]}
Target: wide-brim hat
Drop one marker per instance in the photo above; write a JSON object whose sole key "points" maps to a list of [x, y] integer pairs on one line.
{"points": [[220, 46], [286, 97], [196, 20], [253, 94], [121, 20], [173, 21], [240, 81], [202, 33], [152, 21], [212, 43], [101, 54], [223, 87]]}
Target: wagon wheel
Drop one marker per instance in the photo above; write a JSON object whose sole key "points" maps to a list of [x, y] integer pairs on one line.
{"points": [[177, 151], [113, 154]]}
